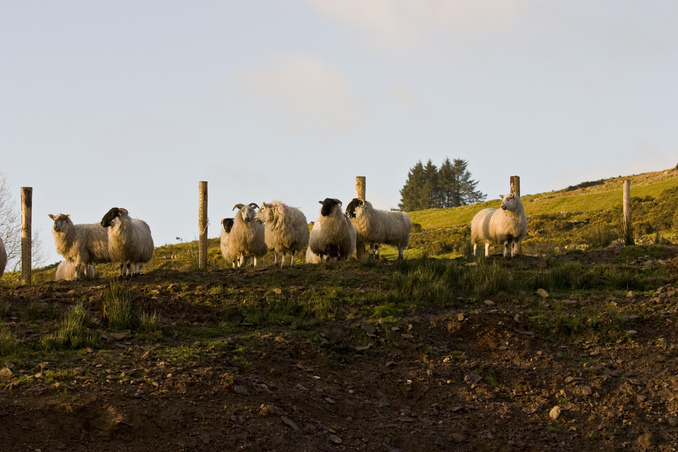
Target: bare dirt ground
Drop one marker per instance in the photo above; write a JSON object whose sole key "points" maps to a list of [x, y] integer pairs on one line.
{"points": [[464, 379]]}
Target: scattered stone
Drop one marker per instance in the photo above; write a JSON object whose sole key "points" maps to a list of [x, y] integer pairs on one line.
{"points": [[542, 293], [335, 439], [289, 423], [568, 301], [205, 438], [5, 374], [240, 390], [368, 328], [488, 303], [363, 348], [586, 391], [460, 317], [472, 379], [118, 336], [555, 412], [632, 332], [629, 294], [644, 441], [516, 318]]}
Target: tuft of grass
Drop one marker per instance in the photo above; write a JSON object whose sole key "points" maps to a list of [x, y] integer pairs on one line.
{"points": [[149, 322], [118, 307], [73, 331], [7, 343]]}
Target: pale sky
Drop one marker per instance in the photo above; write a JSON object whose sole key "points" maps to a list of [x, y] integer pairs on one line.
{"points": [[132, 103]]}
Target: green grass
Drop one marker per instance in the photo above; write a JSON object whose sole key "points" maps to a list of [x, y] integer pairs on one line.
{"points": [[118, 307], [73, 331]]}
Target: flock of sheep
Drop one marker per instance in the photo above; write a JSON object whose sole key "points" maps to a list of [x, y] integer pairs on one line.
{"points": [[274, 226]]}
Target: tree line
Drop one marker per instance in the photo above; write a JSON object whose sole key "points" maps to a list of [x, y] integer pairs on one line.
{"points": [[430, 187]]}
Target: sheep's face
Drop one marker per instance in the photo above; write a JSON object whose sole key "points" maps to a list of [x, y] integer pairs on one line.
{"points": [[509, 202], [265, 213], [329, 205], [61, 222], [228, 224], [247, 212], [111, 215], [352, 206]]}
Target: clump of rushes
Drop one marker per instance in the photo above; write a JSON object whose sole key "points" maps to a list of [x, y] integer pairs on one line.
{"points": [[73, 331], [118, 307]]}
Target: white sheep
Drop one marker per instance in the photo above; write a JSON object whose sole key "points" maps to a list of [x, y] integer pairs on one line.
{"points": [[375, 226], [129, 240], [286, 229], [507, 226], [82, 244], [312, 258], [3, 258], [227, 225], [66, 271], [246, 239], [330, 236]]}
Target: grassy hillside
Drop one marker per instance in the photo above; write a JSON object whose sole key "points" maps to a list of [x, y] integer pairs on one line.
{"points": [[584, 216]]}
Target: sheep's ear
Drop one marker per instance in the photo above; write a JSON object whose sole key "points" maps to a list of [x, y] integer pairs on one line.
{"points": [[51, 216], [263, 205], [68, 215], [320, 202], [122, 211], [238, 206], [337, 201], [501, 197]]}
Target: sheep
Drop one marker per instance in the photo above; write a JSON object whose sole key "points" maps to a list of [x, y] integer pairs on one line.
{"points": [[286, 229], [227, 225], [3, 258], [246, 238], [82, 244], [66, 271], [375, 226], [330, 236], [507, 226], [312, 258], [129, 241]]}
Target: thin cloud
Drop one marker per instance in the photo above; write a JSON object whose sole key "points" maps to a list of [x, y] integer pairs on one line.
{"points": [[303, 94]]}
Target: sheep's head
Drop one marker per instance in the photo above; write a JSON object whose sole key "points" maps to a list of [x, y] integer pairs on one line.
{"points": [[247, 212], [328, 206], [354, 204], [227, 223], [265, 213], [111, 215], [510, 202], [61, 222]]}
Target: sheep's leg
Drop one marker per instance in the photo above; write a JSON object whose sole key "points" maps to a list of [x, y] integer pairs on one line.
{"points": [[254, 261], [122, 269], [293, 258], [487, 249], [506, 249], [475, 248], [275, 258], [282, 260], [400, 252]]}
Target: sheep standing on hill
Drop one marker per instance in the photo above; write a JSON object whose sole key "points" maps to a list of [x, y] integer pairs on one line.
{"points": [[507, 226], [379, 226], [3, 258], [227, 225], [66, 271], [81, 244], [129, 241], [330, 236], [312, 258], [246, 238], [286, 229]]}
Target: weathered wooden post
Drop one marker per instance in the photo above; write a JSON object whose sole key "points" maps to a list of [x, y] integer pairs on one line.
{"points": [[515, 189], [515, 185], [360, 187], [628, 227], [202, 226], [26, 243]]}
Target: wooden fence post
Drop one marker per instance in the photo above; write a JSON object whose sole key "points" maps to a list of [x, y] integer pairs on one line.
{"points": [[515, 185], [515, 189], [360, 189], [202, 226], [26, 242], [628, 227]]}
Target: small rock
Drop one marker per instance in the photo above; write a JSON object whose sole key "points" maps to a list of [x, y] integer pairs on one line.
{"points": [[240, 390], [289, 423], [5, 374], [460, 317], [586, 390], [629, 294], [542, 293], [368, 328], [205, 438], [555, 412], [335, 439], [118, 336], [488, 303]]}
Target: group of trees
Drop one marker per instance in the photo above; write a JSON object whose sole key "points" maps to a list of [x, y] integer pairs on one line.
{"points": [[429, 187]]}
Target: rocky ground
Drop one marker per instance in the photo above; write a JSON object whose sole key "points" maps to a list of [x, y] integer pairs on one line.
{"points": [[465, 378]]}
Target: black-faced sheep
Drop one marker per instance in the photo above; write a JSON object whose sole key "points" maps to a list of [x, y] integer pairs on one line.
{"points": [[226, 226], [312, 258], [82, 244], [330, 236], [506, 226], [246, 239], [286, 229], [379, 226], [3, 258], [129, 241]]}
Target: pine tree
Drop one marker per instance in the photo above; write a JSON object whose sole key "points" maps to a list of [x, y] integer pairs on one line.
{"points": [[428, 187]]}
